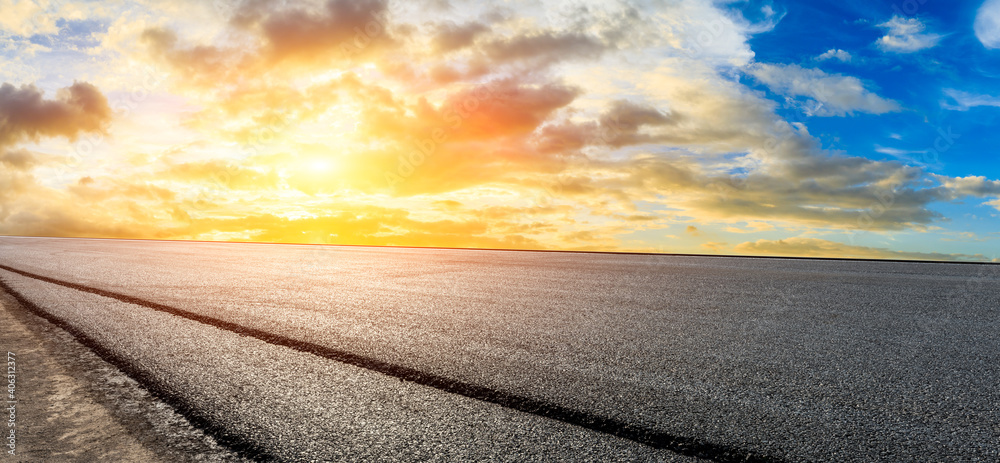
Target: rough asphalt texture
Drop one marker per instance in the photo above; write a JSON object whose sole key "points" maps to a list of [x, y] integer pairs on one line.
{"points": [[71, 406], [791, 359]]}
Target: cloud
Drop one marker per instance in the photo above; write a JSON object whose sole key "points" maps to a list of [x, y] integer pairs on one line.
{"points": [[372, 226], [221, 174], [751, 227], [906, 35], [987, 24], [814, 247], [278, 38], [712, 33], [89, 189], [545, 47], [965, 100], [272, 41], [110, 208], [26, 17], [896, 152], [164, 42], [714, 246], [978, 186], [838, 94], [343, 26], [620, 125], [117, 208], [835, 54], [508, 108], [450, 36], [26, 116], [473, 156], [795, 184], [18, 159]]}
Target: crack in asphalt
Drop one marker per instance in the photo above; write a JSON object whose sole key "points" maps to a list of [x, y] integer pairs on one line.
{"points": [[657, 439]]}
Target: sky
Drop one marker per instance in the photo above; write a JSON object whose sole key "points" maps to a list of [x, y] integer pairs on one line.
{"points": [[858, 129]]}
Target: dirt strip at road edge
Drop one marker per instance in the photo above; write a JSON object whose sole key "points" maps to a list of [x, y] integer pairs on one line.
{"points": [[73, 406]]}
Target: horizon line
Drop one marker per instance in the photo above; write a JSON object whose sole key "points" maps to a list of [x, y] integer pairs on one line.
{"points": [[634, 253]]}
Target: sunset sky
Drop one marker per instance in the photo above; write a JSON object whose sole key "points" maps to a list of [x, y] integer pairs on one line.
{"points": [[853, 128]]}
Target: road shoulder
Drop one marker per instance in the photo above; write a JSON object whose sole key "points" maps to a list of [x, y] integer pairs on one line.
{"points": [[72, 406]]}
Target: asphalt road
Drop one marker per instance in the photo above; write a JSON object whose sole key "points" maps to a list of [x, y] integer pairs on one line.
{"points": [[303, 352]]}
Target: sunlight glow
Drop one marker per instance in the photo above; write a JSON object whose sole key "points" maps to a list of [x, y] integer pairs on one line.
{"points": [[321, 165]]}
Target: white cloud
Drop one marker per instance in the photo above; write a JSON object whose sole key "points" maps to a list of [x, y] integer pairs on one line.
{"points": [[835, 53], [966, 100], [910, 157], [707, 31], [896, 152], [987, 25], [22, 47], [973, 185], [26, 17], [838, 95], [17, 70], [906, 35]]}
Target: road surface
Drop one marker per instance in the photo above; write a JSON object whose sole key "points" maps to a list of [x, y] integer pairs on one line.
{"points": [[300, 353]]}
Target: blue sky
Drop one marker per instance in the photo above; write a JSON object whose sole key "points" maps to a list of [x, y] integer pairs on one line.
{"points": [[934, 129], [920, 80]]}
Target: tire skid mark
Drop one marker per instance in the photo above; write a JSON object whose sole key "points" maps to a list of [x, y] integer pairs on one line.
{"points": [[242, 447], [679, 444]]}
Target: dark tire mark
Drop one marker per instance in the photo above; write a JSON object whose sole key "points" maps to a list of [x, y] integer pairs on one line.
{"points": [[679, 444], [158, 389]]}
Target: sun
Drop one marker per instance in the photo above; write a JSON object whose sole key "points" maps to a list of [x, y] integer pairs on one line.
{"points": [[320, 165]]}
